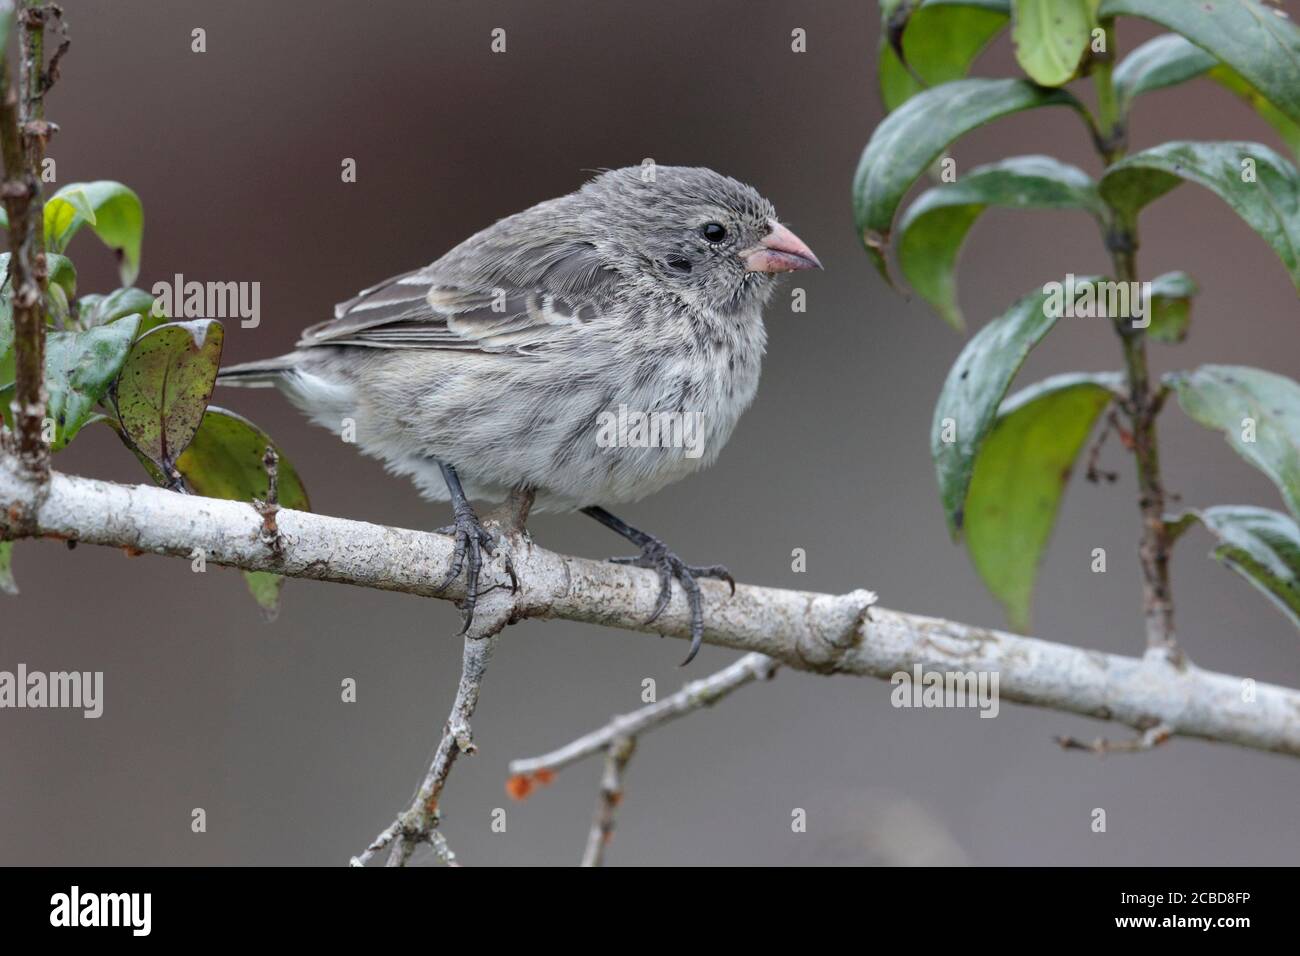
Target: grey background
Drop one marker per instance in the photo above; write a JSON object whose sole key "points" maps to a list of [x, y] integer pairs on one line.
{"points": [[236, 154]]}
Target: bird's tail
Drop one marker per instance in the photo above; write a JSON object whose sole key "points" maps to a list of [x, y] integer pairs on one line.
{"points": [[265, 373]]}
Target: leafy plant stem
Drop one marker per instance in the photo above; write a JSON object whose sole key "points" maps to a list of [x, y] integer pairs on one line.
{"points": [[1142, 404], [1111, 133]]}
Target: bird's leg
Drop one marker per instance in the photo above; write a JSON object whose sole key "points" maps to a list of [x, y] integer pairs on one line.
{"points": [[471, 539], [656, 556]]}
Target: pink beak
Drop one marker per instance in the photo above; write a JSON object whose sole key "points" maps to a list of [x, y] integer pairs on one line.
{"points": [[780, 251]]}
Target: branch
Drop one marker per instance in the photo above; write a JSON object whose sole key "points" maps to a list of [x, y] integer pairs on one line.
{"points": [[1147, 740], [618, 739], [419, 823], [23, 133], [821, 633], [442, 850], [693, 696], [611, 795]]}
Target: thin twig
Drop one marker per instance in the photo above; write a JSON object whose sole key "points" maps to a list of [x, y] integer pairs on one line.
{"points": [[377, 845], [420, 821], [418, 824], [618, 740], [436, 840], [270, 507], [611, 795], [1094, 473], [51, 74], [695, 695], [1147, 740]]}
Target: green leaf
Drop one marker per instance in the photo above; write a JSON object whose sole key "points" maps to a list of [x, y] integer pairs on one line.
{"points": [[265, 587], [103, 309], [225, 460], [7, 583], [1286, 128], [111, 421], [1171, 306], [1170, 59], [1050, 37], [1254, 39], [61, 271], [912, 137], [976, 385], [6, 328], [165, 386], [1262, 546], [1258, 412], [939, 39], [1164, 61], [62, 284], [1020, 475], [60, 288], [1270, 205], [1177, 525], [64, 208], [6, 24], [112, 210], [933, 230], [79, 369]]}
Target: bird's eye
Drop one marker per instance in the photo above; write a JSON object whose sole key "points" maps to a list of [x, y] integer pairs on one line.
{"points": [[713, 231]]}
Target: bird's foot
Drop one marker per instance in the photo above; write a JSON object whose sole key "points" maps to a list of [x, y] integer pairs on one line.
{"points": [[656, 556], [471, 541]]}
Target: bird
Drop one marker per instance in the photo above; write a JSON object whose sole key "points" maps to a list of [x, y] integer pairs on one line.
{"points": [[506, 363]]}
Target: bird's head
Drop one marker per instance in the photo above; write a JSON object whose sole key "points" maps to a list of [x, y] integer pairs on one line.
{"points": [[712, 241]]}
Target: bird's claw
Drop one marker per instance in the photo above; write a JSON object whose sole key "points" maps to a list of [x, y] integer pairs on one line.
{"points": [[656, 556], [471, 540]]}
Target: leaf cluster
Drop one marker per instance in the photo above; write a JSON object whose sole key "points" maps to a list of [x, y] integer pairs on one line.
{"points": [[1003, 461]]}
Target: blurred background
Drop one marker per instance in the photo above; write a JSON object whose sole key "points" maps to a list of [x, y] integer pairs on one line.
{"points": [[236, 154]]}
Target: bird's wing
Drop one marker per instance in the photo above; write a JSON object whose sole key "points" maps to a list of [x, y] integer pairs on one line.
{"points": [[478, 300]]}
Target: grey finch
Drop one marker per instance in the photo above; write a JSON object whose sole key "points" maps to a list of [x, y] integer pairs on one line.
{"points": [[594, 348]]}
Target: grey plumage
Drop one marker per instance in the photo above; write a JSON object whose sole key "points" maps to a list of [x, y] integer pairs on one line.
{"points": [[499, 357], [497, 366]]}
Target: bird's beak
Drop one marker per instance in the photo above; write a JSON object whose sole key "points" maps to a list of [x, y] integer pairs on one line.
{"points": [[780, 251]]}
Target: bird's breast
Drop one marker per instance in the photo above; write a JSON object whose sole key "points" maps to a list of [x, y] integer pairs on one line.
{"points": [[707, 381]]}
